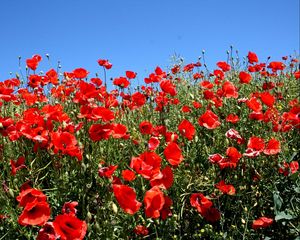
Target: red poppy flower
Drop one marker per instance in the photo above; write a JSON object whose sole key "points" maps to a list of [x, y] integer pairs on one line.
{"points": [[164, 179], [189, 67], [244, 77], [34, 80], [232, 118], [262, 222], [102, 113], [121, 82], [37, 57], [252, 58], [175, 69], [30, 195], [173, 154], [141, 230], [70, 208], [208, 94], [35, 213], [275, 66], [206, 84], [153, 143], [52, 76], [107, 171], [99, 132], [69, 227], [233, 134], [268, 85], [63, 141], [225, 188], [218, 102], [80, 73], [166, 212], [126, 198], [289, 168], [17, 165], [200, 202], [159, 130], [267, 98], [66, 143], [105, 63], [197, 76], [160, 72], [294, 166], [254, 147], [256, 143], [168, 87], [229, 90], [146, 127], [186, 109], [119, 131], [273, 147], [130, 74], [147, 164], [33, 62], [26, 185], [128, 175], [96, 81], [284, 169], [254, 104], [47, 232], [151, 159], [259, 116], [224, 66], [154, 201], [211, 215], [209, 120], [205, 207], [215, 158], [197, 105], [138, 99], [233, 156], [187, 129]]}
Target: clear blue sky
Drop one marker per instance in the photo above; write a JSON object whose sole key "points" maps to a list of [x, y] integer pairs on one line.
{"points": [[138, 35]]}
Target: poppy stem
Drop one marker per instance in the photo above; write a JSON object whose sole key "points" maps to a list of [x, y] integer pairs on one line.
{"points": [[105, 84]]}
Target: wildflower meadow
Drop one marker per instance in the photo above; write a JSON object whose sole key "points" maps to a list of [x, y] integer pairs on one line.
{"points": [[188, 153]]}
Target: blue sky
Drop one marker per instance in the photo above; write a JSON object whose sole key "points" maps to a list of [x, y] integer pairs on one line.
{"points": [[138, 35]]}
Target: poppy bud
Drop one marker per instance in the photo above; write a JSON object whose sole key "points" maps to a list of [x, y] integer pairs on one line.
{"points": [[11, 193], [114, 207], [84, 167], [89, 217], [97, 227]]}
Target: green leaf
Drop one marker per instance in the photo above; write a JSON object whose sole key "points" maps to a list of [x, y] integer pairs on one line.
{"points": [[293, 156], [283, 215], [277, 201], [297, 189]]}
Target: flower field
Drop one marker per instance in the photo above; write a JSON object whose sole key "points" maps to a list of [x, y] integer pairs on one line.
{"points": [[189, 154]]}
